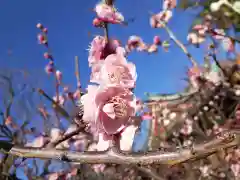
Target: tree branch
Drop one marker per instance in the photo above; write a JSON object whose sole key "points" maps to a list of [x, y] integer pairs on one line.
{"points": [[173, 37], [150, 172], [115, 156], [65, 137]]}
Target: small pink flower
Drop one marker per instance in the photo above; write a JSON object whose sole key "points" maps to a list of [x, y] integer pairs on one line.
{"points": [[53, 176], [228, 45], [39, 26], [116, 71], [58, 75], [42, 39], [49, 68], [97, 22], [61, 99], [45, 30], [164, 16], [47, 55], [98, 168], [153, 48], [108, 14], [100, 49], [111, 108], [157, 40], [169, 4], [195, 39], [235, 169], [218, 34], [135, 42]]}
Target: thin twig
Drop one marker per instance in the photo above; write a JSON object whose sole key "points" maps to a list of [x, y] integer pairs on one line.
{"points": [[77, 73], [173, 37], [65, 137]]}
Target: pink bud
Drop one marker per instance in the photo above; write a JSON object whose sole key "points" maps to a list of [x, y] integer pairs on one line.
{"points": [[153, 48], [45, 30], [39, 26], [58, 75], [156, 40], [49, 68], [97, 22], [47, 55], [42, 39]]}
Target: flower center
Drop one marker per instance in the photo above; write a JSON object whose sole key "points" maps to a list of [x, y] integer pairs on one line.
{"points": [[120, 106], [115, 77]]}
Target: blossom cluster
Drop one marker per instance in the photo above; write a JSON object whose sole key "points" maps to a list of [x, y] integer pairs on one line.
{"points": [[200, 31], [165, 15], [109, 103]]}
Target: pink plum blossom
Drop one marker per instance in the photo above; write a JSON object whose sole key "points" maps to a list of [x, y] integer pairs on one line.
{"points": [[96, 49], [218, 34], [100, 49], [49, 68], [111, 108], [135, 42], [108, 14], [59, 75], [169, 4], [194, 38], [228, 45], [127, 138], [157, 40], [153, 48], [115, 71], [163, 16], [61, 99]]}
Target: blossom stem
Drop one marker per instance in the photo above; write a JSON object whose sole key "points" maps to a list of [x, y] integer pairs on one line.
{"points": [[106, 31], [173, 37], [77, 73]]}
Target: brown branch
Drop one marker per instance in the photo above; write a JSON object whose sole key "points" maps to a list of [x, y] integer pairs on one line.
{"points": [[58, 108], [115, 156], [150, 172], [65, 137]]}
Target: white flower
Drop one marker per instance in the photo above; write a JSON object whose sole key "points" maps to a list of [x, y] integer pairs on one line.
{"points": [[215, 6], [55, 133], [127, 138]]}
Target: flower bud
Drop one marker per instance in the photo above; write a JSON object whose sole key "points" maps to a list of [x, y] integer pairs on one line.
{"points": [[42, 39], [97, 22], [156, 40], [47, 55], [45, 30], [39, 26], [59, 75], [49, 68]]}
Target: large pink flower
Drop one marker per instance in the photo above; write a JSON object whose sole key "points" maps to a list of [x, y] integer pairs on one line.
{"points": [[108, 109], [100, 49], [115, 71], [108, 14]]}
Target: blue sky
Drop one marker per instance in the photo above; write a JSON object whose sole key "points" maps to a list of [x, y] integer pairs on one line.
{"points": [[69, 24]]}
